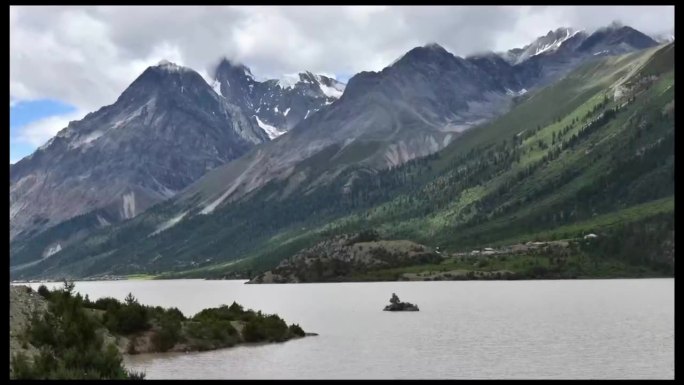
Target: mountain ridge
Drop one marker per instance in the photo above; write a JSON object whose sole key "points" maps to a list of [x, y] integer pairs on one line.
{"points": [[330, 147]]}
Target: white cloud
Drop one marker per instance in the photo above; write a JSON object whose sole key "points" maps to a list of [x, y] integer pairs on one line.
{"points": [[40, 131], [86, 56]]}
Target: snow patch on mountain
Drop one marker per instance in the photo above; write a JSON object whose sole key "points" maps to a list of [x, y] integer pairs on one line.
{"points": [[555, 44], [168, 224], [52, 250], [548, 43], [447, 140], [510, 92], [128, 205], [216, 86], [102, 221], [87, 139], [332, 92], [272, 132], [288, 80]]}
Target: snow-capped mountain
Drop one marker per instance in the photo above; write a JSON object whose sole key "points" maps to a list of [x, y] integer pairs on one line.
{"points": [[612, 40], [170, 127], [164, 131], [412, 108], [548, 43], [276, 105], [558, 52]]}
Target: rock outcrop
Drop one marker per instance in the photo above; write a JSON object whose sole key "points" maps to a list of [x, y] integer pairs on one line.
{"points": [[24, 302], [340, 258], [397, 305]]}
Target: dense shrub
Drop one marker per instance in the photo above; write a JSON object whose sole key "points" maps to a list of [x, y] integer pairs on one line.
{"points": [[44, 292], [128, 318], [69, 346], [296, 330], [106, 303], [270, 328], [213, 332], [168, 335]]}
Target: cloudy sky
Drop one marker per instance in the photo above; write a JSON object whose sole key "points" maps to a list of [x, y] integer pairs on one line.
{"points": [[68, 61]]}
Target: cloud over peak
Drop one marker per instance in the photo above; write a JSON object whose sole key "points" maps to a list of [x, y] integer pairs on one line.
{"points": [[86, 56]]}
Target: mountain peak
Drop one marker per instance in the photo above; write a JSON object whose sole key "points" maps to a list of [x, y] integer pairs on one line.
{"points": [[559, 32], [434, 46], [428, 52], [615, 24], [228, 66], [616, 38], [547, 43], [288, 80], [170, 66]]}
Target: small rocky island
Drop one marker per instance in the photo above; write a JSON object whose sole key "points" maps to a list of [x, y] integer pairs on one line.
{"points": [[397, 305]]}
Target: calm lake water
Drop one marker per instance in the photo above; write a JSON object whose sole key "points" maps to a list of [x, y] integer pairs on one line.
{"points": [[574, 329]]}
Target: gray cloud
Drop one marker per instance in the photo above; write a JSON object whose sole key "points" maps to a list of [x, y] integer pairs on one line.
{"points": [[87, 56]]}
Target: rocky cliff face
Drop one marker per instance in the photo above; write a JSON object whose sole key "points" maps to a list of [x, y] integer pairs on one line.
{"points": [[277, 105], [551, 56], [164, 132], [414, 107]]}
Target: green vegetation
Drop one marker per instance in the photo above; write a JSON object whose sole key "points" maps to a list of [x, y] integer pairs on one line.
{"points": [[567, 161], [216, 325], [545, 264], [574, 157], [141, 276], [636, 213], [70, 345], [337, 258], [209, 329], [71, 335], [270, 328], [27, 248]]}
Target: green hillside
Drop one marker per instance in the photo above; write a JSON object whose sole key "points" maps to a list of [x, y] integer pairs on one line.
{"points": [[593, 152]]}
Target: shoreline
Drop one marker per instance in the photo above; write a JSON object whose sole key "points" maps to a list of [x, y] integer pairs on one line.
{"points": [[245, 344], [460, 280], [246, 281]]}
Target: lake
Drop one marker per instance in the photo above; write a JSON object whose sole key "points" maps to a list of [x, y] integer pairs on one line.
{"points": [[569, 329]]}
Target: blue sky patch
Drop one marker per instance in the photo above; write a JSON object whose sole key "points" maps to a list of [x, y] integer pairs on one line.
{"points": [[24, 113]]}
